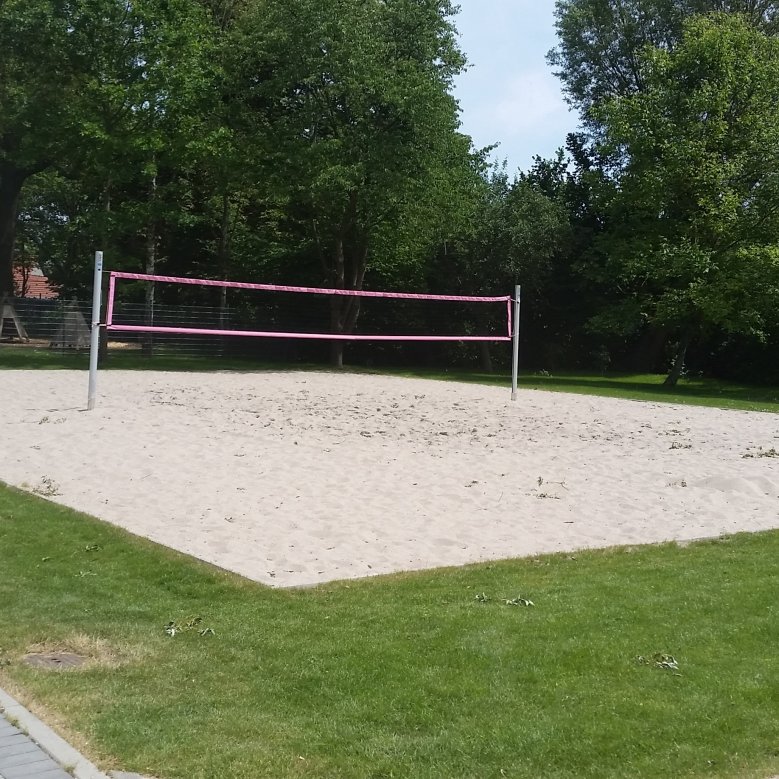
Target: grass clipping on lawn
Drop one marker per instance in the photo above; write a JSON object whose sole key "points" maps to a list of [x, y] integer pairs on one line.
{"points": [[636, 662]]}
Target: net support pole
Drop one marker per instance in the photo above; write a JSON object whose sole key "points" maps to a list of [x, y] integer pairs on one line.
{"points": [[94, 342], [515, 344]]}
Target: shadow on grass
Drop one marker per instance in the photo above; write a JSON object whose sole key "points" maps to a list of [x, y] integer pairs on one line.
{"points": [[696, 388], [709, 392], [20, 358], [698, 391]]}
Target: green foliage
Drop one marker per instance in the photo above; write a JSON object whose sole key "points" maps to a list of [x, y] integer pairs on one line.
{"points": [[106, 94], [695, 184], [44, 113], [232, 139], [600, 41], [512, 234], [360, 128]]}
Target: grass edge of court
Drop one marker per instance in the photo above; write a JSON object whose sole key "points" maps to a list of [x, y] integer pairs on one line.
{"points": [[375, 595]]}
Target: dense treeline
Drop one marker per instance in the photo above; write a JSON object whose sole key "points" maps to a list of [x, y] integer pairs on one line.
{"points": [[319, 143]]}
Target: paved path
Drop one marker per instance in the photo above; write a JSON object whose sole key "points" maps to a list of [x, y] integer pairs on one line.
{"points": [[22, 758], [29, 749]]}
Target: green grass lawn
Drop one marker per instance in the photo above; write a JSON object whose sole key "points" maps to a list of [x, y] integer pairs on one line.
{"points": [[404, 676], [694, 391]]}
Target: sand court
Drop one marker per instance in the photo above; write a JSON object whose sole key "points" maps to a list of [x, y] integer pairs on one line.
{"points": [[293, 478]]}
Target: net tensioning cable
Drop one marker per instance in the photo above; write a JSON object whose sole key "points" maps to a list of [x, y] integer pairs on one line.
{"points": [[318, 291]]}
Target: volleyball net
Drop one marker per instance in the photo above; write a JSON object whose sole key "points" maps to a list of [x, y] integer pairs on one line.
{"points": [[266, 311], [291, 312]]}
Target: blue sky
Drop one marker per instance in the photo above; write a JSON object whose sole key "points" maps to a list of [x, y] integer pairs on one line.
{"points": [[509, 94]]}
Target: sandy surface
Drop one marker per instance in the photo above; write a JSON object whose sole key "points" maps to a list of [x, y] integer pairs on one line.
{"points": [[297, 478]]}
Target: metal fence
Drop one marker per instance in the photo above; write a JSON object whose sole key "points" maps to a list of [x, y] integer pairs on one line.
{"points": [[63, 326]]}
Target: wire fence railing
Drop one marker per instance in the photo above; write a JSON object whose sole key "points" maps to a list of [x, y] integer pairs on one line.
{"points": [[63, 326]]}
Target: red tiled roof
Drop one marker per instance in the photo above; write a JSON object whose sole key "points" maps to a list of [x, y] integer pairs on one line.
{"points": [[37, 285]]}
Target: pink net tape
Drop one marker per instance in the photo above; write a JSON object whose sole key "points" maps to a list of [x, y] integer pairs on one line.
{"points": [[313, 336], [312, 290]]}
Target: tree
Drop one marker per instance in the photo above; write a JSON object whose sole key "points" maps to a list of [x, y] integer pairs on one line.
{"points": [[55, 228], [510, 235], [42, 55], [569, 297], [360, 122], [696, 185], [599, 55], [91, 85]]}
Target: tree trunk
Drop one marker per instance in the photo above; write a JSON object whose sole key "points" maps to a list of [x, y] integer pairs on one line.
{"points": [[678, 366], [223, 263], [11, 182], [223, 248], [148, 309], [24, 268], [337, 306], [151, 265], [147, 346], [337, 354], [347, 272], [485, 358], [222, 307], [337, 322]]}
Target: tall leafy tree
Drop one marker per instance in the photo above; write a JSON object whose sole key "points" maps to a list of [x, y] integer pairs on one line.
{"points": [[360, 120], [56, 226], [95, 88], [696, 175], [600, 41], [568, 298], [44, 59]]}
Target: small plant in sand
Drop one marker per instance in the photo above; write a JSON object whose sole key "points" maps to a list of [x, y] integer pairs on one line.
{"points": [[760, 452], [550, 495], [47, 488], [541, 481]]}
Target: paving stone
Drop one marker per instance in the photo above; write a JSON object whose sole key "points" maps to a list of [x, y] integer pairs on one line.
{"points": [[11, 739], [36, 771], [22, 758], [26, 758], [18, 747]]}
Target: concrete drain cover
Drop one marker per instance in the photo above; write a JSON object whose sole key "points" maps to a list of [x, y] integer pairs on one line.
{"points": [[54, 660]]}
